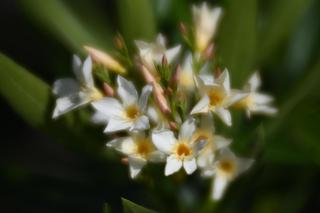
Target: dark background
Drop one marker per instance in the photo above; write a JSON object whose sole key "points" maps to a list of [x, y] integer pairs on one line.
{"points": [[39, 174]]}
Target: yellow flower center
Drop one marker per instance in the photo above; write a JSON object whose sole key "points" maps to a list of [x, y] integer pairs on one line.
{"points": [[227, 167], [183, 150], [215, 97], [144, 147], [96, 95], [132, 112]]}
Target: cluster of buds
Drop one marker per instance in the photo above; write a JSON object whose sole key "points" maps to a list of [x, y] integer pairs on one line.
{"points": [[171, 119]]}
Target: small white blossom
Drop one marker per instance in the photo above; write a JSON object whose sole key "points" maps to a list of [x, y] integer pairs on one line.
{"points": [[206, 133], [129, 114], [226, 169], [217, 96], [181, 152], [206, 21], [256, 102], [186, 76], [73, 93], [152, 53], [139, 150]]}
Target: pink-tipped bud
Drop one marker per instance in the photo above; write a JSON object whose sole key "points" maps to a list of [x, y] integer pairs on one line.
{"points": [[208, 52], [175, 77], [182, 28], [164, 60], [125, 161], [173, 125], [160, 99], [118, 42], [108, 90]]}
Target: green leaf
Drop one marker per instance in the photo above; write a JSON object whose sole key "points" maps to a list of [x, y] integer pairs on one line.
{"points": [[136, 19], [237, 38], [130, 207], [27, 95], [57, 18], [284, 17]]}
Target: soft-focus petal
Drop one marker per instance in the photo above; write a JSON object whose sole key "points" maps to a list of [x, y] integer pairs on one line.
{"points": [[221, 142], [235, 97], [224, 80], [157, 156], [111, 107], [202, 106], [68, 103], [224, 115], [264, 109], [164, 140], [254, 82], [135, 165], [117, 124], [143, 100], [141, 123], [127, 91], [219, 185], [123, 144], [87, 73], [76, 67], [100, 118], [244, 164], [172, 53], [65, 87], [187, 129], [260, 98], [173, 165], [189, 165]]}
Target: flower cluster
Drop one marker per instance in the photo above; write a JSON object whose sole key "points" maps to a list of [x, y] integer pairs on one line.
{"points": [[171, 117]]}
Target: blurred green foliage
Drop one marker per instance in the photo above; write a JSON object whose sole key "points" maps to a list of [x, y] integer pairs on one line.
{"points": [[280, 38]]}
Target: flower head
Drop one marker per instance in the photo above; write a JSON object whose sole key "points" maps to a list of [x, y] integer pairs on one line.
{"points": [[226, 168], [73, 93], [129, 114], [205, 21], [217, 96], [256, 102], [181, 152], [139, 150], [153, 53]]}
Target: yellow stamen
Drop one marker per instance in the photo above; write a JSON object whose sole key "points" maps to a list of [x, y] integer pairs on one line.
{"points": [[132, 112], [183, 150], [144, 147]]}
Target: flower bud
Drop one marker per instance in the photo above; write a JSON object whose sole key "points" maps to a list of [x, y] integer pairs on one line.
{"points": [[108, 90]]}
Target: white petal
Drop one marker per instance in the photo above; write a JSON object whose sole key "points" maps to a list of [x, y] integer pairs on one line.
{"points": [[189, 165], [153, 114], [143, 100], [260, 98], [141, 123], [164, 140], [123, 144], [264, 109], [76, 66], [65, 86], [161, 40], [127, 91], [173, 165], [100, 118], [111, 107], [156, 156], [202, 106], [207, 79], [224, 115], [219, 185], [87, 73], [135, 166], [244, 164], [68, 103], [187, 129], [221, 142], [235, 97], [117, 124], [172, 53], [224, 80], [254, 82], [205, 159], [227, 153]]}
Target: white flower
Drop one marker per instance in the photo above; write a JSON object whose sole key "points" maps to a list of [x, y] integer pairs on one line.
{"points": [[139, 150], [152, 53], [255, 102], [217, 96], [205, 21], [128, 115], [186, 76], [181, 152], [75, 93], [206, 133], [226, 169]]}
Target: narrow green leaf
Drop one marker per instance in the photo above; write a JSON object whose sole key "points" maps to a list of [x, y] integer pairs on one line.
{"points": [[137, 19], [27, 95], [284, 17], [237, 39], [130, 207], [57, 18]]}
